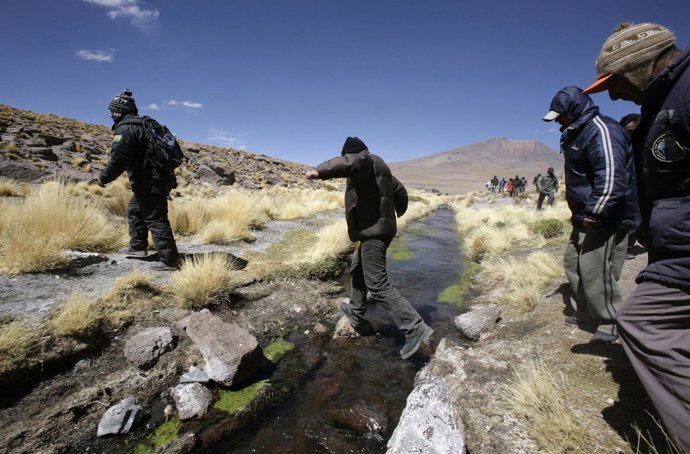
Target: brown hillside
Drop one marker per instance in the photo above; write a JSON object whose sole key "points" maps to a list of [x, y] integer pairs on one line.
{"points": [[467, 168], [36, 147]]}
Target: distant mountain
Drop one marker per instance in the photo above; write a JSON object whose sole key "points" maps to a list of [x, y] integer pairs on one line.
{"points": [[467, 168]]}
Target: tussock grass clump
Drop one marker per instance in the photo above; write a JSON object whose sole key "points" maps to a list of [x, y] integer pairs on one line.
{"points": [[189, 216], [540, 397], [283, 204], [131, 295], [204, 280], [50, 219], [17, 339], [548, 227], [77, 317], [522, 278], [485, 242], [9, 188]]}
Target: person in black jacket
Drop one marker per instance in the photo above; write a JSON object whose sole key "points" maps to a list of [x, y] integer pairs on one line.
{"points": [[373, 196], [148, 207], [655, 321], [600, 188]]}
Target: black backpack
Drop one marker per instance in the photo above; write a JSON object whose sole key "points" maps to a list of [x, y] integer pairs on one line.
{"points": [[164, 152]]}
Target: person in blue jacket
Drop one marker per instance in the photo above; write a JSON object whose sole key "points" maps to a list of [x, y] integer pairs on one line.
{"points": [[600, 187], [641, 63]]}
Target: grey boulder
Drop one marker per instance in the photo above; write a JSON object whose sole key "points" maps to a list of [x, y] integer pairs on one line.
{"points": [[191, 400], [144, 348], [472, 324], [120, 418]]}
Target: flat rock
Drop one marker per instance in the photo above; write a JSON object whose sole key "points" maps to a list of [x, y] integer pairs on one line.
{"points": [[232, 354], [472, 324], [194, 375], [144, 348], [429, 423], [120, 418], [360, 418]]}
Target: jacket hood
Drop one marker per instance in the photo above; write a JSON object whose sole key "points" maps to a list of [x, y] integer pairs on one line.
{"points": [[353, 145], [576, 106]]}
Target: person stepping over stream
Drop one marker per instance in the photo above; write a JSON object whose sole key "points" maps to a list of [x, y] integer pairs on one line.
{"points": [[373, 197]]}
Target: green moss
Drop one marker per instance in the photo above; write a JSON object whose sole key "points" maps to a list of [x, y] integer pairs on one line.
{"points": [[165, 434], [233, 402], [400, 251], [278, 349], [456, 293]]}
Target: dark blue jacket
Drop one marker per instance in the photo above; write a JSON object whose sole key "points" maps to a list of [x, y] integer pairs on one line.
{"points": [[599, 165], [662, 152]]}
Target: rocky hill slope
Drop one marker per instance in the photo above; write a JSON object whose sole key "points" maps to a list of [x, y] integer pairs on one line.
{"points": [[467, 168], [35, 147]]}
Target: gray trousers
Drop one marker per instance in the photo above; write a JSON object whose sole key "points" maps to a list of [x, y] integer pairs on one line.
{"points": [[368, 272], [593, 263], [654, 326]]}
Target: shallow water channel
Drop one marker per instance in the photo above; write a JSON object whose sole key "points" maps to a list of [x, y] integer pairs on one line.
{"points": [[364, 375]]}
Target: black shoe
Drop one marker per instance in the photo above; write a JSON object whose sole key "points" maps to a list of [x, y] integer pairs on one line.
{"points": [[160, 266], [134, 253], [361, 326], [603, 338], [413, 342], [570, 320]]}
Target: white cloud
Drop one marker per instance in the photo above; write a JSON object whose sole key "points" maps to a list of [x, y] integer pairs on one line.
{"points": [[129, 9], [192, 104], [172, 102], [153, 106], [223, 138], [96, 55]]}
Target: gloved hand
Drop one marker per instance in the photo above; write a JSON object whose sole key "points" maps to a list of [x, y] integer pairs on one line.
{"points": [[98, 182]]}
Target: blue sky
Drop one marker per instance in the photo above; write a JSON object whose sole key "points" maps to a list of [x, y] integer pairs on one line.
{"points": [[293, 78]]}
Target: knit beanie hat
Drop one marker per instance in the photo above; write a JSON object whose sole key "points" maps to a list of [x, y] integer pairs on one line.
{"points": [[353, 145], [123, 103], [631, 52]]}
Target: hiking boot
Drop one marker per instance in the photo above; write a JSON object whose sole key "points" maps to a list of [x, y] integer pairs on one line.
{"points": [[161, 266], [361, 326], [570, 320], [413, 342], [603, 338], [134, 253]]}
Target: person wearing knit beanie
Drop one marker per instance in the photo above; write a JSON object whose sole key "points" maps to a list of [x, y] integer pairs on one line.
{"points": [[122, 104], [641, 63], [631, 52]]}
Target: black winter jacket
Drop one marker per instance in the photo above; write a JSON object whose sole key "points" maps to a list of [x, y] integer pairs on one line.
{"points": [[599, 164], [662, 152], [373, 195], [128, 152]]}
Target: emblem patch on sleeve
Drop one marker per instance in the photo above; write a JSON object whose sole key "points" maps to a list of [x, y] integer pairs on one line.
{"points": [[117, 137], [667, 149]]}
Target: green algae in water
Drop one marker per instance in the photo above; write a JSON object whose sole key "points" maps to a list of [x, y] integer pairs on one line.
{"points": [[232, 402], [166, 433], [400, 251], [278, 349], [456, 293]]}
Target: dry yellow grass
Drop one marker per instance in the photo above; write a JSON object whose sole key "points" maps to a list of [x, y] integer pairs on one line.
{"points": [[189, 216], [282, 203], [131, 296], [76, 317], [17, 338], [204, 280], [47, 221], [332, 241], [10, 188], [522, 279], [540, 398]]}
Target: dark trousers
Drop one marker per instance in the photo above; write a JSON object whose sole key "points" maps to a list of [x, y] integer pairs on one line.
{"points": [[593, 263], [368, 272], [654, 326], [149, 212], [549, 199]]}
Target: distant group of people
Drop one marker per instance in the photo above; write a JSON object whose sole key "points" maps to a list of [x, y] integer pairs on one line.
{"points": [[634, 175], [511, 186]]}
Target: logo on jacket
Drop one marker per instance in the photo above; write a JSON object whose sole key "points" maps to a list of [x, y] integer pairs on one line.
{"points": [[667, 149]]}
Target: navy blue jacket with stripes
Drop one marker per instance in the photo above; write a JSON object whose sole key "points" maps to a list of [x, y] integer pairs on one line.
{"points": [[599, 164]]}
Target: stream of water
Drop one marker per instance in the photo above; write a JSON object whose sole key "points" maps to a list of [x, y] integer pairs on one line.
{"points": [[366, 374]]}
